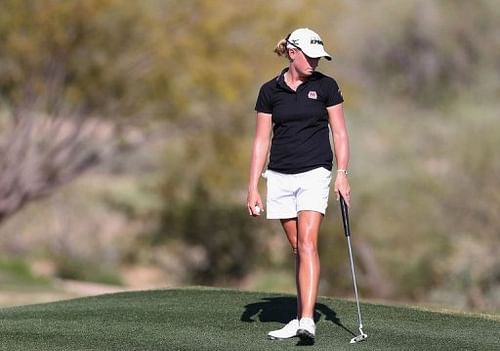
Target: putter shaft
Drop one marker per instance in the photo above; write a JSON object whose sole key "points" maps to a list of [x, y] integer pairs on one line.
{"points": [[354, 282], [347, 231]]}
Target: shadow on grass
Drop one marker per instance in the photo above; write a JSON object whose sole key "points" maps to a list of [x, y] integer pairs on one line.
{"points": [[283, 309]]}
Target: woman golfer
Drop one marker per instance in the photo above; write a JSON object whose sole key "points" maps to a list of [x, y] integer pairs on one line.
{"points": [[295, 109]]}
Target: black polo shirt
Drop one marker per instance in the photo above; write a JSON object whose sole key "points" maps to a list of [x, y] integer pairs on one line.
{"points": [[300, 122]]}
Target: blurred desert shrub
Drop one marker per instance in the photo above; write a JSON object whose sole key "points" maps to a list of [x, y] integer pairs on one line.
{"points": [[118, 58], [421, 51], [83, 49], [74, 233], [224, 255], [15, 273], [470, 204], [64, 68]]}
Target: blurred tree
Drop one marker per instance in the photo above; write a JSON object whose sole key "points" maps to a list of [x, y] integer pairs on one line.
{"points": [[82, 49], [230, 244], [64, 67], [428, 52], [40, 153]]}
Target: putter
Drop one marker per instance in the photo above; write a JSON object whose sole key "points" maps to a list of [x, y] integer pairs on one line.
{"points": [[347, 231]]}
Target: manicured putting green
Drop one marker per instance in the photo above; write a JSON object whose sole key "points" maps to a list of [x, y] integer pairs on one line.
{"points": [[220, 319]]}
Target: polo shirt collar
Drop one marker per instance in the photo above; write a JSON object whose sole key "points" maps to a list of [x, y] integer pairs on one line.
{"points": [[280, 79]]}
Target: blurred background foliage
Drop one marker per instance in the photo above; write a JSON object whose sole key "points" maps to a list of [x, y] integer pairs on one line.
{"points": [[178, 81]]}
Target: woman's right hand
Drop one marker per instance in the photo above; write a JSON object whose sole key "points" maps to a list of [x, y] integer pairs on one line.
{"points": [[260, 150], [254, 200]]}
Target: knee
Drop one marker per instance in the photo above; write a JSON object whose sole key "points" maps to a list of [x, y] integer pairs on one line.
{"points": [[307, 247]]}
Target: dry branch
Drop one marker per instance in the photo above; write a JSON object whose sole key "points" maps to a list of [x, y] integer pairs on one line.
{"points": [[39, 153]]}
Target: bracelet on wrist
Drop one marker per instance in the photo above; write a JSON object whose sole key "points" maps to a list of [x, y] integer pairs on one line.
{"points": [[342, 171]]}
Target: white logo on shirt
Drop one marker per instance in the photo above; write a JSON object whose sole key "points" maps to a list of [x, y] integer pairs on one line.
{"points": [[312, 95]]}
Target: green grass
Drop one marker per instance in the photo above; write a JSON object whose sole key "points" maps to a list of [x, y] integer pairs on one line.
{"points": [[15, 274], [218, 319]]}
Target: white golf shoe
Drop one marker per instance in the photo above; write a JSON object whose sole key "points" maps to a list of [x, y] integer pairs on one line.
{"points": [[288, 331], [307, 329]]}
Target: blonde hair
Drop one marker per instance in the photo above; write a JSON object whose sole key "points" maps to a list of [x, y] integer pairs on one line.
{"points": [[281, 48]]}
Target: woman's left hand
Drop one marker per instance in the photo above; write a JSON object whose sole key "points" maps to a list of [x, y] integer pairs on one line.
{"points": [[343, 188]]}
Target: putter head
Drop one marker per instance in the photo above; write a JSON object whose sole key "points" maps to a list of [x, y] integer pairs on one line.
{"points": [[359, 338]]}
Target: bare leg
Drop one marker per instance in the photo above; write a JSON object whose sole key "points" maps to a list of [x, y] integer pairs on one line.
{"points": [[308, 224], [291, 230]]}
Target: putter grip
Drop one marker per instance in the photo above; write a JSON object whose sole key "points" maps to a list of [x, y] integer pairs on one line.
{"points": [[345, 216]]}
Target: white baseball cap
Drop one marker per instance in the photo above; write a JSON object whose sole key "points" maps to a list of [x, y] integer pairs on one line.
{"points": [[309, 42]]}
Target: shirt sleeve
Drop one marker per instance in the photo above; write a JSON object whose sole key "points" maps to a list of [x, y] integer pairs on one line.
{"points": [[264, 100], [335, 94]]}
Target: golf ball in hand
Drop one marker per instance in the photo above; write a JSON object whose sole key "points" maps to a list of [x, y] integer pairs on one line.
{"points": [[257, 210]]}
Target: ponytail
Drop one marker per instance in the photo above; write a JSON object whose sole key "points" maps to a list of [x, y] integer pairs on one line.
{"points": [[281, 48]]}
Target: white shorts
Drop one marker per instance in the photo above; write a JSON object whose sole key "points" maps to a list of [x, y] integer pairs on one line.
{"points": [[287, 194]]}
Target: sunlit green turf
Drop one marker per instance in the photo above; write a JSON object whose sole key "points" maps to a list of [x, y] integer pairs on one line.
{"points": [[219, 319]]}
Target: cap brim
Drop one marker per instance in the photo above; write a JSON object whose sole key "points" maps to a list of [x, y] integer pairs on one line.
{"points": [[318, 53]]}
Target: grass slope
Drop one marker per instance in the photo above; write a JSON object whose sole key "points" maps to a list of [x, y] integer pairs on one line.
{"points": [[218, 319]]}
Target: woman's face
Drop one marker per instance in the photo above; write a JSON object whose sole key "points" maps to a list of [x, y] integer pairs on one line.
{"points": [[303, 64]]}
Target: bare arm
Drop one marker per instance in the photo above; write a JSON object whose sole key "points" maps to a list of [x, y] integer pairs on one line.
{"points": [[260, 149], [341, 147]]}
